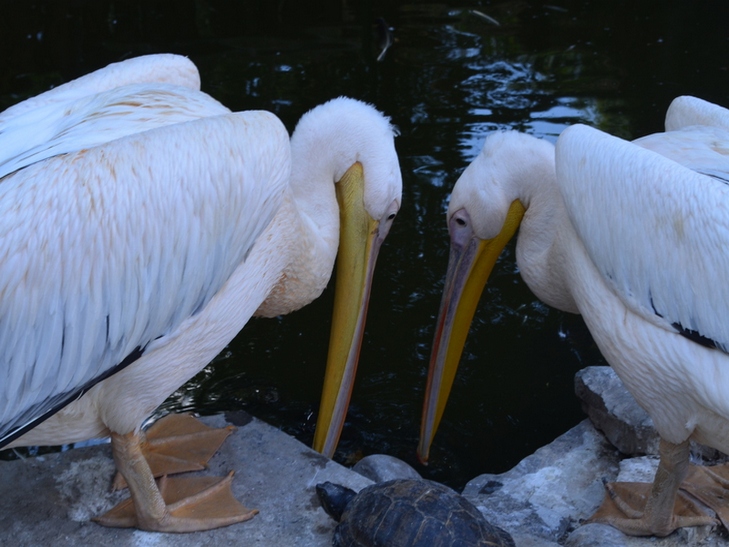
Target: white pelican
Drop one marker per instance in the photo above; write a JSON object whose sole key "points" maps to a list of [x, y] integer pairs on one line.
{"points": [[635, 241], [142, 224]]}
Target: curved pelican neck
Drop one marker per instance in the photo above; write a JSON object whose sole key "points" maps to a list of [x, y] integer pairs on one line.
{"points": [[313, 175], [307, 225], [528, 174], [326, 143], [536, 182], [531, 170]]}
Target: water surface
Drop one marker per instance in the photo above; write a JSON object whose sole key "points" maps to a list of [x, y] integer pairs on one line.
{"points": [[452, 76]]}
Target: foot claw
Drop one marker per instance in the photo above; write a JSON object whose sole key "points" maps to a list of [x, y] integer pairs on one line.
{"points": [[624, 509], [192, 504], [178, 443]]}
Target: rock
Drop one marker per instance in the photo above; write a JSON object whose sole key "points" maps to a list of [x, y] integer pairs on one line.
{"points": [[543, 501], [596, 535], [640, 469], [602, 535], [548, 493], [615, 412], [381, 467], [48, 500]]}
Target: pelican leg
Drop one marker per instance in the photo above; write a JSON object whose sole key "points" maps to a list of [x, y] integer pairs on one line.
{"points": [[178, 443], [639, 509], [177, 505]]}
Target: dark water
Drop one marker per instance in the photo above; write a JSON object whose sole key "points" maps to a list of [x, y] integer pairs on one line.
{"points": [[450, 78]]}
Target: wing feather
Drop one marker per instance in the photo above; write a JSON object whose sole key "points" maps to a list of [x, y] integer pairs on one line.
{"points": [[162, 68], [687, 111], [92, 120], [657, 231], [105, 249]]}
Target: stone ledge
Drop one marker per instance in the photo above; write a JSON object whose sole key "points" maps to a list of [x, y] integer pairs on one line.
{"points": [[48, 500]]}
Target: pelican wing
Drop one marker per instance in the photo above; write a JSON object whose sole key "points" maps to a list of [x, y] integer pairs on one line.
{"points": [[114, 101], [657, 231], [686, 111], [162, 68], [92, 120], [106, 249]]}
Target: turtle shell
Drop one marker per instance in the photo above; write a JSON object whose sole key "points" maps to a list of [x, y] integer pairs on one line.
{"points": [[415, 513]]}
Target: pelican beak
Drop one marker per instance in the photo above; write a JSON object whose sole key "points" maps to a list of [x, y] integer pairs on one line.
{"points": [[359, 242], [469, 266]]}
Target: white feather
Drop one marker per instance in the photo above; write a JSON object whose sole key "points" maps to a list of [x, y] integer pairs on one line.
{"points": [[655, 229], [100, 224], [145, 215], [634, 237]]}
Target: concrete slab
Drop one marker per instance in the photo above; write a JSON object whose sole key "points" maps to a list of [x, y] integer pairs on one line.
{"points": [[50, 499]]}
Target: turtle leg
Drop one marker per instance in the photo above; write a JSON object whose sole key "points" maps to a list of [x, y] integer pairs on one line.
{"points": [[639, 510], [178, 443], [176, 505]]}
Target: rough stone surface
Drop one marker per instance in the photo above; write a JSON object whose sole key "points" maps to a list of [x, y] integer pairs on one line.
{"points": [[546, 495], [596, 535], [382, 467], [541, 502], [615, 412], [48, 500]]}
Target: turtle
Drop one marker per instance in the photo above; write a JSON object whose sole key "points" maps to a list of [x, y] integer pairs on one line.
{"points": [[407, 513]]}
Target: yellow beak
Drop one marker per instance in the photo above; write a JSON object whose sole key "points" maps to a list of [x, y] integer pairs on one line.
{"points": [[359, 244], [469, 267]]}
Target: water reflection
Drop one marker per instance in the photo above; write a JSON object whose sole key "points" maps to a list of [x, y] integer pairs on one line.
{"points": [[450, 77]]}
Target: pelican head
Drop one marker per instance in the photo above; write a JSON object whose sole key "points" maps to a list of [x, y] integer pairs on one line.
{"points": [[486, 207], [356, 144]]}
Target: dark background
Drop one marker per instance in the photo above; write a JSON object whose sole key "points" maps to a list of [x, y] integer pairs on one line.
{"points": [[450, 78]]}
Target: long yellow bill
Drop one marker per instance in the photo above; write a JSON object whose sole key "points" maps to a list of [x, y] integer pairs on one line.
{"points": [[359, 244], [469, 266]]}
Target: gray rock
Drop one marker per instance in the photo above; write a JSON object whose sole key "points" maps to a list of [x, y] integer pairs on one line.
{"points": [[381, 467], [602, 535], [548, 493], [543, 501], [596, 535], [48, 500], [615, 412]]}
